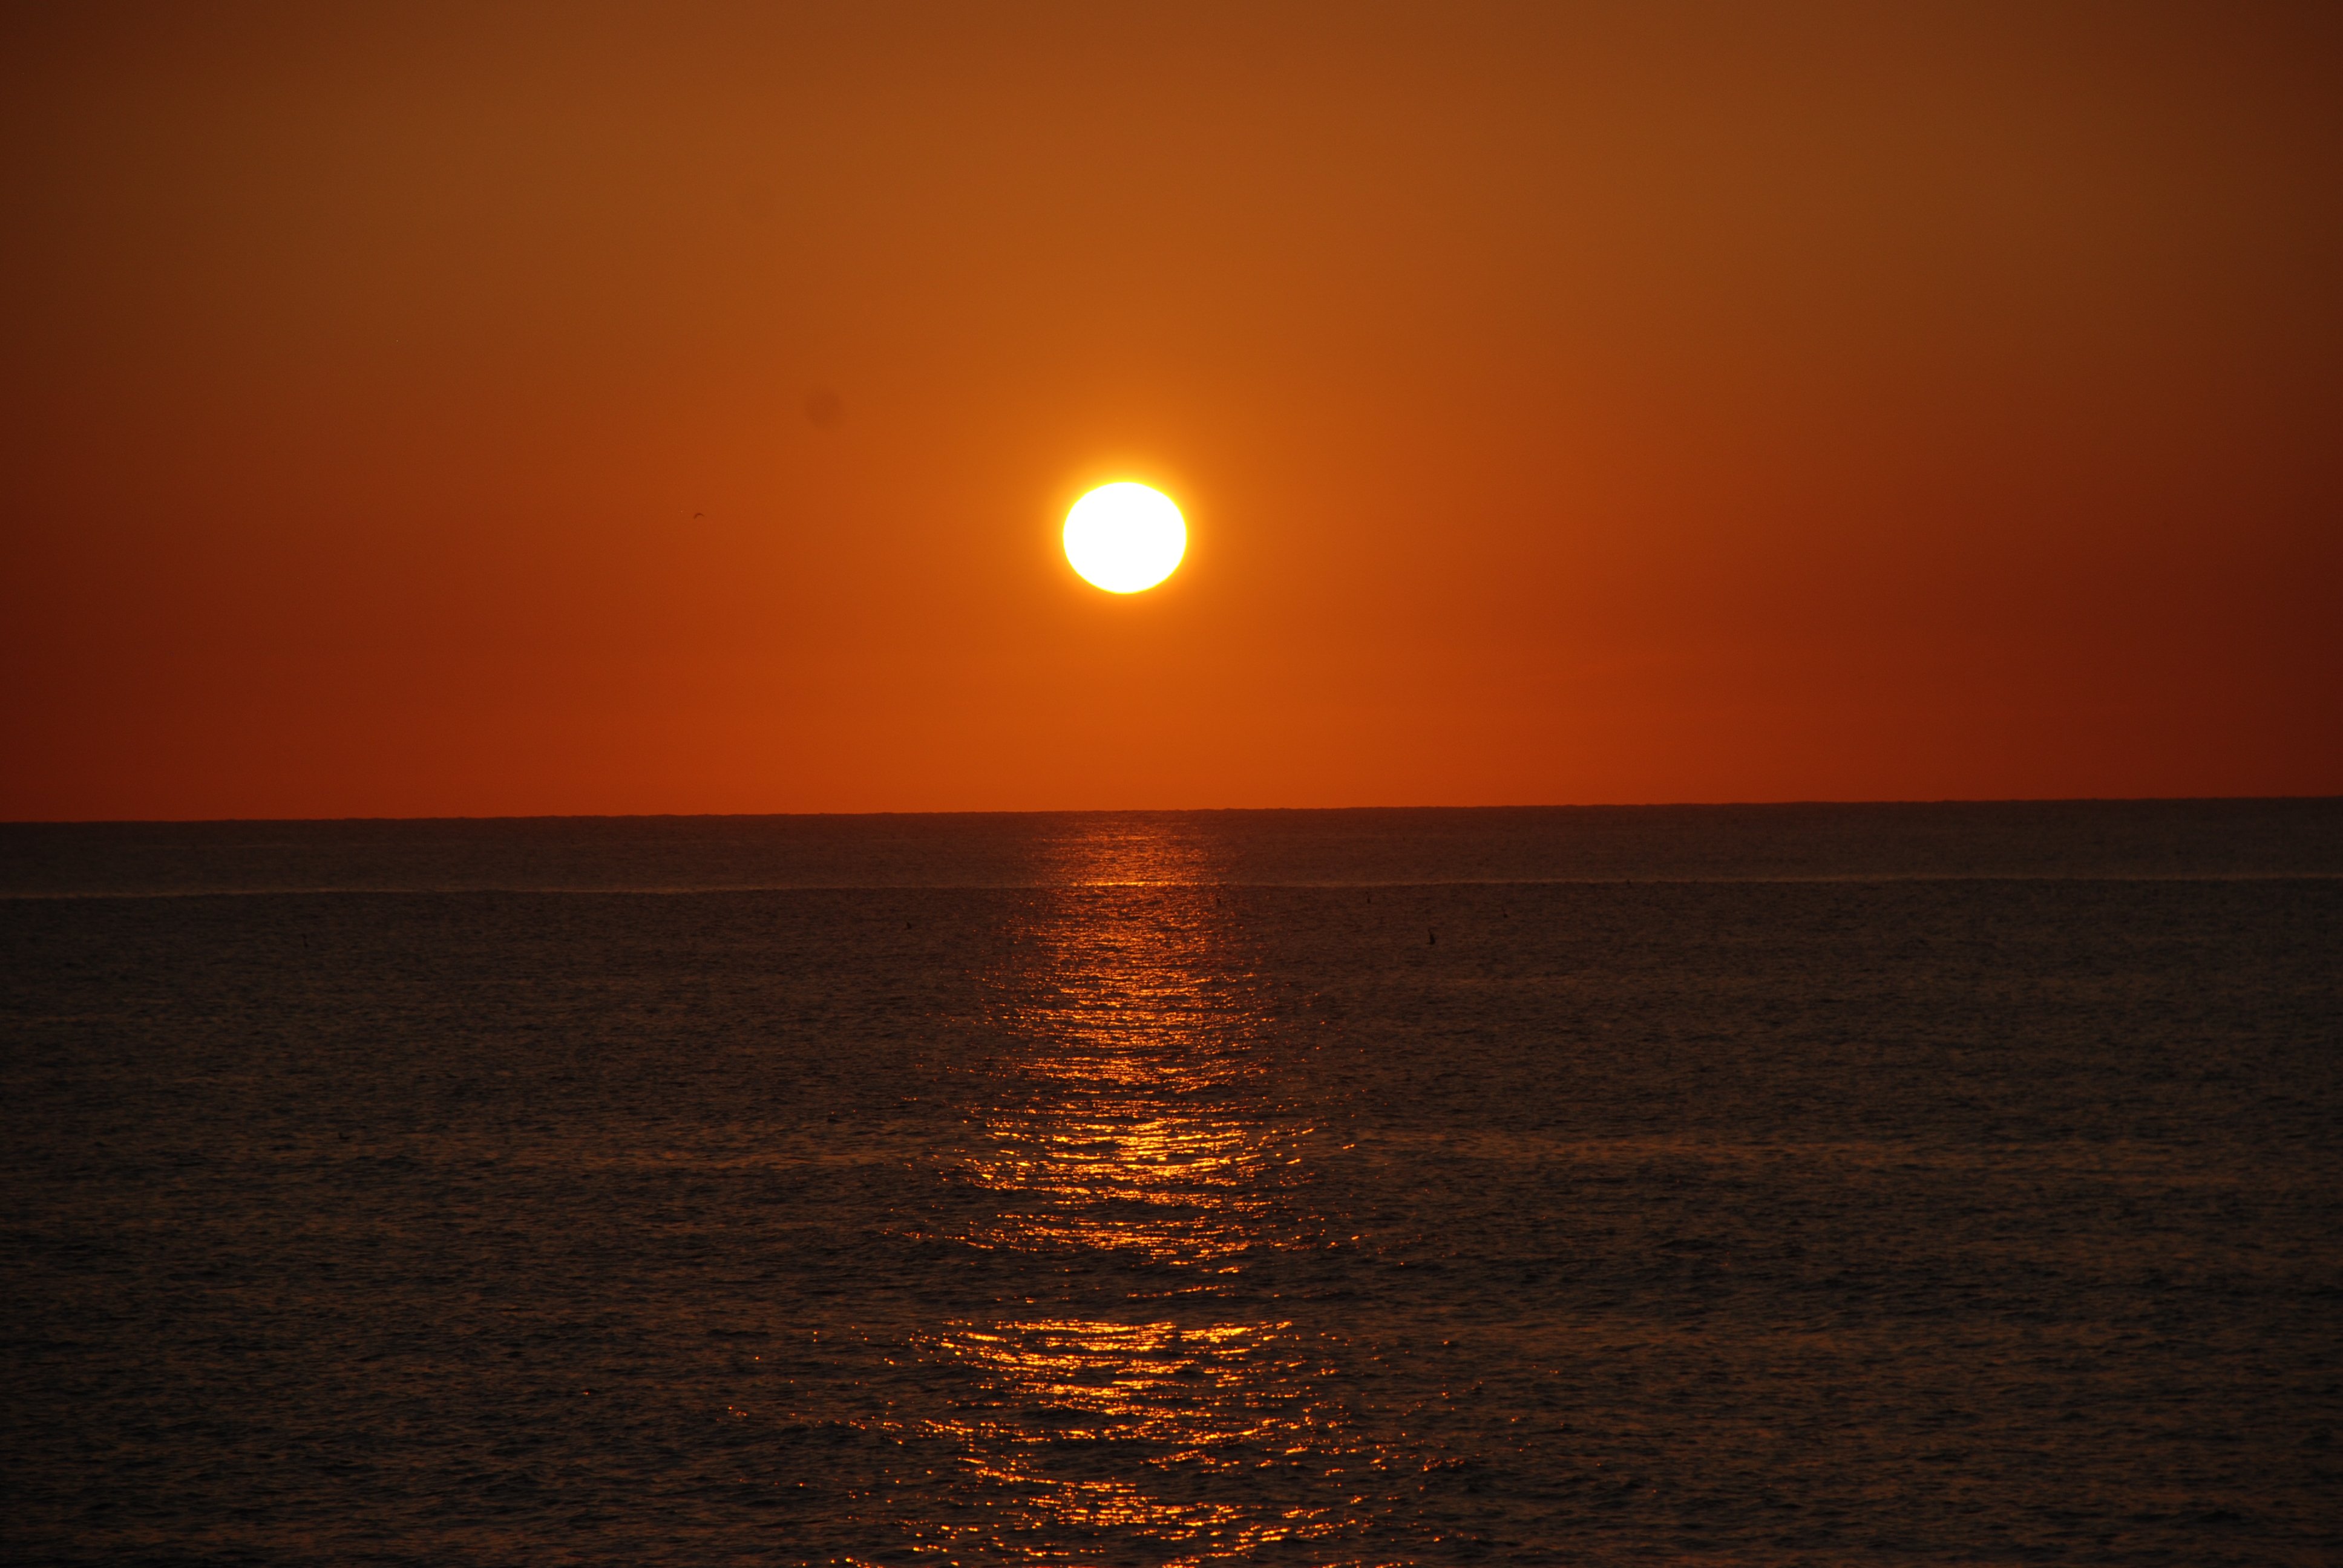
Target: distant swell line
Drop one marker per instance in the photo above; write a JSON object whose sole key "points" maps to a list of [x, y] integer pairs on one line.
{"points": [[21, 895]]}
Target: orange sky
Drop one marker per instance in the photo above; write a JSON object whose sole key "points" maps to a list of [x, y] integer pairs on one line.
{"points": [[410, 415]]}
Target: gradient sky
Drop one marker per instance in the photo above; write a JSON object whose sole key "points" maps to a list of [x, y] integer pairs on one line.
{"points": [[550, 408]]}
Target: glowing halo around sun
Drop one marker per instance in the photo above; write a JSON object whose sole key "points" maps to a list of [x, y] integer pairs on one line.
{"points": [[1125, 537]]}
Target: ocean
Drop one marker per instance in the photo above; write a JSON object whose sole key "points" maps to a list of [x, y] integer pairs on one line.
{"points": [[1803, 1184]]}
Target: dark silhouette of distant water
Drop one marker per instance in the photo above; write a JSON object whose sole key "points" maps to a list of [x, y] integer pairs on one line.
{"points": [[1781, 1184], [2284, 837]]}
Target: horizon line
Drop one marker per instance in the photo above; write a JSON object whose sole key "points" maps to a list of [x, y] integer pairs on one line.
{"points": [[1184, 811]]}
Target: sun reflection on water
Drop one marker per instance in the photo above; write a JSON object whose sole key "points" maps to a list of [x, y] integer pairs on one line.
{"points": [[1139, 1151]]}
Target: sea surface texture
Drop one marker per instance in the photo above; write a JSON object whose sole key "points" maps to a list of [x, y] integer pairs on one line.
{"points": [[1950, 1185]]}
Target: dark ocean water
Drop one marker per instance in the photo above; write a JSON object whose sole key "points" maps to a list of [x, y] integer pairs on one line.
{"points": [[1947, 1184]]}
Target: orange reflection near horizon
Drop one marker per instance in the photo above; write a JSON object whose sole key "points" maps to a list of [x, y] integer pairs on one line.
{"points": [[1141, 1150]]}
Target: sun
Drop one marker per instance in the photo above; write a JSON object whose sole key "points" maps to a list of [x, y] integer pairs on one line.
{"points": [[1125, 537]]}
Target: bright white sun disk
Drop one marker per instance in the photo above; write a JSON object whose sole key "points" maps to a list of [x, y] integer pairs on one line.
{"points": [[1125, 537]]}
